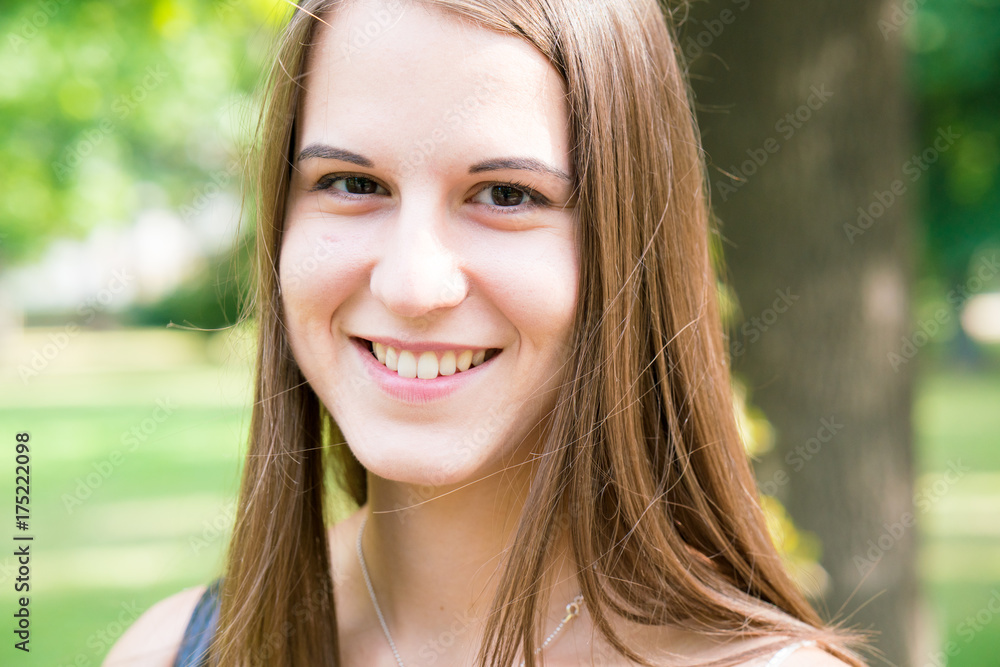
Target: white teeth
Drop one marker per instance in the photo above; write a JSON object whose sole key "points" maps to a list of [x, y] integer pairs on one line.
{"points": [[407, 364], [426, 365], [447, 365]]}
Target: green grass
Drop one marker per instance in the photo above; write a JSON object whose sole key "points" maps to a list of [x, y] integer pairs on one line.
{"points": [[115, 534], [136, 442], [958, 419]]}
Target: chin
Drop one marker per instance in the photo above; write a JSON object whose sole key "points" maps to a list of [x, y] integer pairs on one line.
{"points": [[429, 460], [421, 470], [425, 453]]}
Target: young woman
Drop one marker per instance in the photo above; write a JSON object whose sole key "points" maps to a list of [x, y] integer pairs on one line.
{"points": [[488, 320]]}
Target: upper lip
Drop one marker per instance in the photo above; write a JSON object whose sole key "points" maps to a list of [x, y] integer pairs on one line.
{"points": [[422, 346]]}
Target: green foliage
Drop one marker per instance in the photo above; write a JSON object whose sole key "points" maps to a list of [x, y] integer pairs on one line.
{"points": [[110, 107], [954, 50]]}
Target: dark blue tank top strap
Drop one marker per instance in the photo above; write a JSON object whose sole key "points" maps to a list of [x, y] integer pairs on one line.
{"points": [[200, 629]]}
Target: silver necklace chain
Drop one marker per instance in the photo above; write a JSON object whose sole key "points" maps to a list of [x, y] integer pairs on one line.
{"points": [[572, 609]]}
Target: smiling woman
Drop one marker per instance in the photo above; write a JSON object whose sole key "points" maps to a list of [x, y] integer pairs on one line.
{"points": [[498, 330], [447, 261]]}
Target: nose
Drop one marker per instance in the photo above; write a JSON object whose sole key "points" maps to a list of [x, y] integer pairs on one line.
{"points": [[416, 272]]}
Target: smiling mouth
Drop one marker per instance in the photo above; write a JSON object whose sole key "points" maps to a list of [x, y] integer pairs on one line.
{"points": [[427, 365]]}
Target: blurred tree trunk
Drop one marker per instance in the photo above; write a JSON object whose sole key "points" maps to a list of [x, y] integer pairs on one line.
{"points": [[805, 120]]}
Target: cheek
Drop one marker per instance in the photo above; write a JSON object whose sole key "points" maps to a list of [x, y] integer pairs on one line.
{"points": [[317, 272], [540, 291]]}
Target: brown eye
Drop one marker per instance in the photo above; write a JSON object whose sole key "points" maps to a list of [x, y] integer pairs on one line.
{"points": [[352, 185], [509, 198], [357, 185], [360, 186], [507, 195]]}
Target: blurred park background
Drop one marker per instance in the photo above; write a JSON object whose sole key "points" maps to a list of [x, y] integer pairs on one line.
{"points": [[854, 161]]}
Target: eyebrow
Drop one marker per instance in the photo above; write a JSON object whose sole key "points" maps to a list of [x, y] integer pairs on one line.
{"points": [[330, 153], [518, 163]]}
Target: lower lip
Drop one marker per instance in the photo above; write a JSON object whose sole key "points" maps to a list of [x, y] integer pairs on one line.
{"points": [[415, 390]]}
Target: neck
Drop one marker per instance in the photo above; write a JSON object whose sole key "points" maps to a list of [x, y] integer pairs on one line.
{"points": [[434, 556]]}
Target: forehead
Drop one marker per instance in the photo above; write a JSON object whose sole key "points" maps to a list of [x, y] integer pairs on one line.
{"points": [[391, 77]]}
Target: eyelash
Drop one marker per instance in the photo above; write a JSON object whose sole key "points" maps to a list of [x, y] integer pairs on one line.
{"points": [[536, 200]]}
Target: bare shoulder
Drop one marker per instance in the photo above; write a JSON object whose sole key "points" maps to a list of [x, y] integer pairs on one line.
{"points": [[663, 645], [155, 637], [807, 656]]}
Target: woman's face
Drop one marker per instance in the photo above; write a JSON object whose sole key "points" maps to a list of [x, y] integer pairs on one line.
{"points": [[428, 213]]}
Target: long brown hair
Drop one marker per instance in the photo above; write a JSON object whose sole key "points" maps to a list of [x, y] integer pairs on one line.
{"points": [[644, 463]]}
